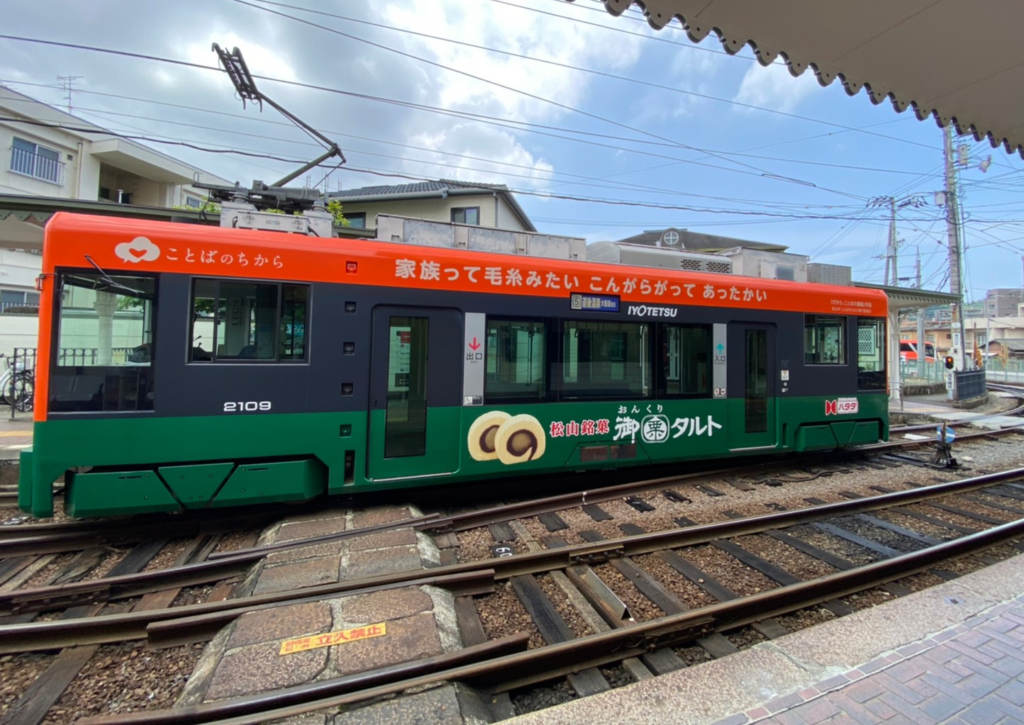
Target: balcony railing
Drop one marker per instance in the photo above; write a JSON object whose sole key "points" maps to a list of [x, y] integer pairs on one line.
{"points": [[37, 166]]}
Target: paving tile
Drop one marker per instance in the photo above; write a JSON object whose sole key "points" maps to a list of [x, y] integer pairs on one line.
{"points": [[1009, 666], [260, 667], [973, 638], [382, 539], [998, 624], [940, 706], [406, 639], [912, 648], [939, 655], [757, 712], [307, 573], [332, 548], [907, 670], [864, 690], [983, 712], [971, 652], [380, 515], [832, 682], [977, 686], [386, 605], [308, 529], [439, 706], [897, 703], [1012, 692], [377, 562], [880, 709], [280, 623], [850, 710], [912, 691], [873, 666], [787, 718], [816, 711], [785, 702]]}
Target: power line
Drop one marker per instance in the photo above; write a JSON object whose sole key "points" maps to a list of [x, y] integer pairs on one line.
{"points": [[567, 66]]}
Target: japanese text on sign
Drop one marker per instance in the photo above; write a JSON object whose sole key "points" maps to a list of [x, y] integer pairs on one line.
{"points": [[330, 639], [501, 276]]}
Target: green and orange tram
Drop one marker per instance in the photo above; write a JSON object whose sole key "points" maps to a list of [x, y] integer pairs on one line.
{"points": [[186, 367]]}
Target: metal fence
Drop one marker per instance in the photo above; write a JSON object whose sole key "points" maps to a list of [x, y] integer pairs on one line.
{"points": [[970, 384]]}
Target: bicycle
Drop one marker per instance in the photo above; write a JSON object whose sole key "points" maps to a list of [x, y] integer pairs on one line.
{"points": [[17, 386]]}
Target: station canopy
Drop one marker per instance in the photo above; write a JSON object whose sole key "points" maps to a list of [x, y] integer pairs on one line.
{"points": [[956, 61]]}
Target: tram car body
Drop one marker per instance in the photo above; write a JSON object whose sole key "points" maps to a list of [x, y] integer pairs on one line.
{"points": [[184, 367]]}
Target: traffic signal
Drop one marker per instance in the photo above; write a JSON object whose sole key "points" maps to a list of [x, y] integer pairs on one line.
{"points": [[949, 362]]}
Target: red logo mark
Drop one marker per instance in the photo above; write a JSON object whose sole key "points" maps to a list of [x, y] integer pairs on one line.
{"points": [[830, 407], [474, 345]]}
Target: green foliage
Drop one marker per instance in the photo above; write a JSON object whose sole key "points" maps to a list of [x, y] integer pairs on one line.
{"points": [[208, 206]]}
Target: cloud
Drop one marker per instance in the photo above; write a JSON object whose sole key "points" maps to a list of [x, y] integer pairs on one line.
{"points": [[774, 87]]}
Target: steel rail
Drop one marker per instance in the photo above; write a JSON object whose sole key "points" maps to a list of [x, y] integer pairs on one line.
{"points": [[183, 524], [509, 672], [325, 688], [418, 521], [113, 628], [61, 596]]}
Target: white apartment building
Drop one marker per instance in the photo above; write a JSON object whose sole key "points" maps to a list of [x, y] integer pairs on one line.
{"points": [[49, 160]]}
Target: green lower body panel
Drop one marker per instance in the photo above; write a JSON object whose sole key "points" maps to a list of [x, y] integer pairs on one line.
{"points": [[116, 494], [196, 485], [272, 482], [148, 463], [814, 437]]}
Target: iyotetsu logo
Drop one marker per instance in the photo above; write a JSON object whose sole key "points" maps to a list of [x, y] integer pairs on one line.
{"points": [[137, 250], [841, 406]]}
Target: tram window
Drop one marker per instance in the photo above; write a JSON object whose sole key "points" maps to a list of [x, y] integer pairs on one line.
{"points": [[103, 359], [824, 342], [515, 360], [248, 321], [605, 360], [685, 360], [871, 354]]}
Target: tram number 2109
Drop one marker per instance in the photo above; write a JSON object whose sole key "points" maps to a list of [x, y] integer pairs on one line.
{"points": [[248, 406]]}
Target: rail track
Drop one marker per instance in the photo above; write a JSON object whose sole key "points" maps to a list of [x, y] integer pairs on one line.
{"points": [[600, 567], [629, 640]]}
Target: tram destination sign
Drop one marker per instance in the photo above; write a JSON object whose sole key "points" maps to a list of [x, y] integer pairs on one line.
{"points": [[594, 303]]}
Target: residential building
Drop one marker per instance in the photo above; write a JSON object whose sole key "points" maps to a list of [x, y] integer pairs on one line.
{"points": [[54, 160], [1003, 302], [483, 205]]}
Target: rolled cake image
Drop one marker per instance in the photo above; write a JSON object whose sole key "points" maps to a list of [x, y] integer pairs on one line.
{"points": [[482, 434], [519, 439]]}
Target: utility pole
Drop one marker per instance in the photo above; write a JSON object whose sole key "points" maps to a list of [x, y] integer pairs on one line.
{"points": [[955, 264], [921, 346], [890, 254], [68, 84]]}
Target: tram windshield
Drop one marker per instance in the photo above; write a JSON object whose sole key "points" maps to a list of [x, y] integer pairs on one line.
{"points": [[102, 359]]}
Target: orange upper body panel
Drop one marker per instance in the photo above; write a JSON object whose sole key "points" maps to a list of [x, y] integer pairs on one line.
{"points": [[122, 246]]}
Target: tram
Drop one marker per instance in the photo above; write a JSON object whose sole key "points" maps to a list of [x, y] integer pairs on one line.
{"points": [[185, 367]]}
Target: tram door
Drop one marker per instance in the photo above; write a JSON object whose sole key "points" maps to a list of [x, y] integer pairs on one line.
{"points": [[415, 392], [752, 375]]}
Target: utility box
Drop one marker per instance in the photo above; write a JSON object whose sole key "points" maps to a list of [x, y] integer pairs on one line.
{"points": [[829, 274], [767, 265], [642, 255], [405, 230]]}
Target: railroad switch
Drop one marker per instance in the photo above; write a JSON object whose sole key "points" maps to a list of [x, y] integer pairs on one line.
{"points": [[943, 457]]}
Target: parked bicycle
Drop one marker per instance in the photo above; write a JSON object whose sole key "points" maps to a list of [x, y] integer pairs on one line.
{"points": [[17, 385]]}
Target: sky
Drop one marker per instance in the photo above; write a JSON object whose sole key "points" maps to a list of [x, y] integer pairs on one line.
{"points": [[602, 126]]}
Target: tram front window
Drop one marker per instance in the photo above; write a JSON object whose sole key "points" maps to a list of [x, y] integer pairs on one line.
{"points": [[102, 359]]}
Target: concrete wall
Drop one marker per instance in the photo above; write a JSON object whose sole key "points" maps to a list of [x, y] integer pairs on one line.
{"points": [[439, 210]]}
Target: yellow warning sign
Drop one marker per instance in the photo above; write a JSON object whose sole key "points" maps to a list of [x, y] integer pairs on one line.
{"points": [[330, 639]]}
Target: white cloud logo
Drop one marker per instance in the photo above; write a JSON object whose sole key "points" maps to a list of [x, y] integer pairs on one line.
{"points": [[137, 250]]}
